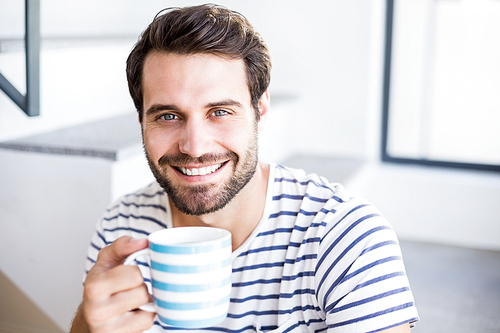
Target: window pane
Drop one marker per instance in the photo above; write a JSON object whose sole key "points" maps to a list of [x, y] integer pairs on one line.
{"points": [[445, 81]]}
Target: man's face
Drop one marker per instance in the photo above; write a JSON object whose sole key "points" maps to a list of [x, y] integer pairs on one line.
{"points": [[199, 128]]}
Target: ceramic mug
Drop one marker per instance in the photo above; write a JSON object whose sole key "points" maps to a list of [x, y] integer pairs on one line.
{"points": [[190, 275]]}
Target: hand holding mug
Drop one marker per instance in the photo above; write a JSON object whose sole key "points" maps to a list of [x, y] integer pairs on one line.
{"points": [[112, 289]]}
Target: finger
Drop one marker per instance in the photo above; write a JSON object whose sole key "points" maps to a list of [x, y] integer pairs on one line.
{"points": [[131, 299], [119, 278], [133, 321], [116, 253], [112, 309], [138, 321]]}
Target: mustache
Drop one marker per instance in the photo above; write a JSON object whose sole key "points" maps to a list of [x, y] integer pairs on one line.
{"points": [[210, 158]]}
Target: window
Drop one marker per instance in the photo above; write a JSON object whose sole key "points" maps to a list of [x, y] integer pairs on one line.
{"points": [[442, 83]]}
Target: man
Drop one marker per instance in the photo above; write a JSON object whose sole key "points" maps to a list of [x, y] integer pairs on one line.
{"points": [[307, 256]]}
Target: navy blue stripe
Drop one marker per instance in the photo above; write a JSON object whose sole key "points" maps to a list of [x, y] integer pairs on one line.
{"points": [[279, 247], [395, 325], [300, 308], [277, 280], [141, 217], [291, 213], [300, 197], [378, 245], [326, 211], [291, 328], [259, 281], [127, 229], [123, 203], [306, 241], [259, 297], [367, 300], [253, 312], [298, 259], [274, 312], [265, 265], [278, 231], [281, 213], [375, 263], [295, 325], [299, 275], [141, 263], [274, 296], [307, 291], [264, 249], [372, 315], [102, 238], [91, 260], [95, 246], [378, 279]]}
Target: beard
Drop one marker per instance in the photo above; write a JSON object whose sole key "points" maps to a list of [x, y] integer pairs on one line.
{"points": [[206, 198]]}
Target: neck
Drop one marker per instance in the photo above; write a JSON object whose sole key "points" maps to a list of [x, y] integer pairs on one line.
{"points": [[251, 200]]}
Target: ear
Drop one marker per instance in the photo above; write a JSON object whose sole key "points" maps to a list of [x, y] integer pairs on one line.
{"points": [[264, 104]]}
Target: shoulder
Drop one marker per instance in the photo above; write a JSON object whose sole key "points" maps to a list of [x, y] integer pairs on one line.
{"points": [[297, 181], [309, 193]]}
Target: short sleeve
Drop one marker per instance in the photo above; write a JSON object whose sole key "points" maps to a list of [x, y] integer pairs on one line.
{"points": [[361, 280]]}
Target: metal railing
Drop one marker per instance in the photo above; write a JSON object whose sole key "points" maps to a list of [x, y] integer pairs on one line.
{"points": [[30, 102]]}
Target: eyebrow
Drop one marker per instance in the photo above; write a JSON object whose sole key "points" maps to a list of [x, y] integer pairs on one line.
{"points": [[156, 108], [226, 102]]}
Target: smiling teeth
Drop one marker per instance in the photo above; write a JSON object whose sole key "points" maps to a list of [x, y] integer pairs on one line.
{"points": [[200, 171]]}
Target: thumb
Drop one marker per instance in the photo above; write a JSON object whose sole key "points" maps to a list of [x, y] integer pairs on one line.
{"points": [[116, 253]]}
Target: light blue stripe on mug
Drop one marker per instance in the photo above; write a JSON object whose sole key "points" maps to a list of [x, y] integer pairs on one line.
{"points": [[195, 323], [189, 248], [189, 269], [191, 287], [191, 306]]}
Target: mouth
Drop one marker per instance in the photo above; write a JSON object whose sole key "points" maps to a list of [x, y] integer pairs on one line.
{"points": [[199, 171]]}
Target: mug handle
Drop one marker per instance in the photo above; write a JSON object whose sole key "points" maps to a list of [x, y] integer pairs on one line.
{"points": [[149, 307]]}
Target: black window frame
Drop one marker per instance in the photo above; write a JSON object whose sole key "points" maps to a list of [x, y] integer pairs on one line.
{"points": [[385, 156]]}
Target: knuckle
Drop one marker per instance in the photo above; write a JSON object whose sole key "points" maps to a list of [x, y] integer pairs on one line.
{"points": [[144, 295], [92, 291], [134, 275]]}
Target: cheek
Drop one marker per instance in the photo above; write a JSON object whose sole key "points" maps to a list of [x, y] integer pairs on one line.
{"points": [[238, 139], [157, 143]]}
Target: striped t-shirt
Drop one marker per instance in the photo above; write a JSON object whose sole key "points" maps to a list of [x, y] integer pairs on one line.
{"points": [[319, 260]]}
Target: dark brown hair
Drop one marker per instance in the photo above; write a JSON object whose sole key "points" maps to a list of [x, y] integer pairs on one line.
{"points": [[208, 29]]}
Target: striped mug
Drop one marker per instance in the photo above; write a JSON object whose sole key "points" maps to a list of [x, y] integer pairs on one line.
{"points": [[190, 275]]}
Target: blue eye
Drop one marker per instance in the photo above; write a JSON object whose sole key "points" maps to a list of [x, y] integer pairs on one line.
{"points": [[168, 116], [220, 112]]}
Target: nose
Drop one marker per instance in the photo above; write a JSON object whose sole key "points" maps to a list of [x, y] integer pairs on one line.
{"points": [[195, 138]]}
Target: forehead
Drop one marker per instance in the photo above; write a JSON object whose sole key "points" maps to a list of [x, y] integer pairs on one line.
{"points": [[199, 77]]}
